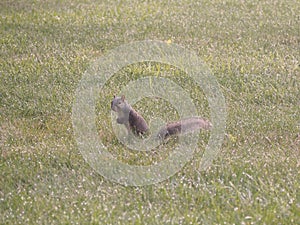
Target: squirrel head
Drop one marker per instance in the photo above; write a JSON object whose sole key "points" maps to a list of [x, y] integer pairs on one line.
{"points": [[119, 103]]}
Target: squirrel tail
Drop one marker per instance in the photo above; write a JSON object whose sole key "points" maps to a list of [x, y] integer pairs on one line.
{"points": [[183, 126]]}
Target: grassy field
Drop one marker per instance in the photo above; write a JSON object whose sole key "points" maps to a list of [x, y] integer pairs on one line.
{"points": [[252, 49]]}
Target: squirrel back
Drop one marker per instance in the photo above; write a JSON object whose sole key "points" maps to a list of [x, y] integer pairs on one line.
{"points": [[132, 120]]}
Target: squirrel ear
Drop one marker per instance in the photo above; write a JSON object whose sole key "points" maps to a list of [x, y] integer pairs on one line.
{"points": [[123, 97]]}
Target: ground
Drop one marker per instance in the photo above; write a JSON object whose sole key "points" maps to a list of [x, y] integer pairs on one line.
{"points": [[252, 49]]}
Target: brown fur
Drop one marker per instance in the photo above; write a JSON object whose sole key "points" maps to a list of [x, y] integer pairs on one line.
{"points": [[137, 123], [184, 126]]}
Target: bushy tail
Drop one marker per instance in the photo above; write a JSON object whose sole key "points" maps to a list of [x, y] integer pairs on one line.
{"points": [[183, 126]]}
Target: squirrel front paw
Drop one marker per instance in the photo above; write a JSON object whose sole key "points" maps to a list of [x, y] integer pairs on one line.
{"points": [[119, 121]]}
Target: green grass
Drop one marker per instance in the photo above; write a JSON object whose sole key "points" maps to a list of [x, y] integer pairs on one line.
{"points": [[252, 49]]}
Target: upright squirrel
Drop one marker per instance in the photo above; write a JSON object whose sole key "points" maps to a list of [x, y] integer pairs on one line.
{"points": [[135, 123]]}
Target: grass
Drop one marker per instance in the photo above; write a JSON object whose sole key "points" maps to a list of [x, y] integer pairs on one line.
{"points": [[251, 47]]}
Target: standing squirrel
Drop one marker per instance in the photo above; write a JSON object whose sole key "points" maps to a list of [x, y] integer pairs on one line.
{"points": [[128, 116], [135, 123]]}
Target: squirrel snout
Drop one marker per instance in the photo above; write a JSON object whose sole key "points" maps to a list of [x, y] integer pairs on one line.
{"points": [[113, 107], [111, 104]]}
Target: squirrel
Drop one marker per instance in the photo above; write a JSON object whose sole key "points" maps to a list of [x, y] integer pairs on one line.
{"points": [[135, 123], [128, 116]]}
